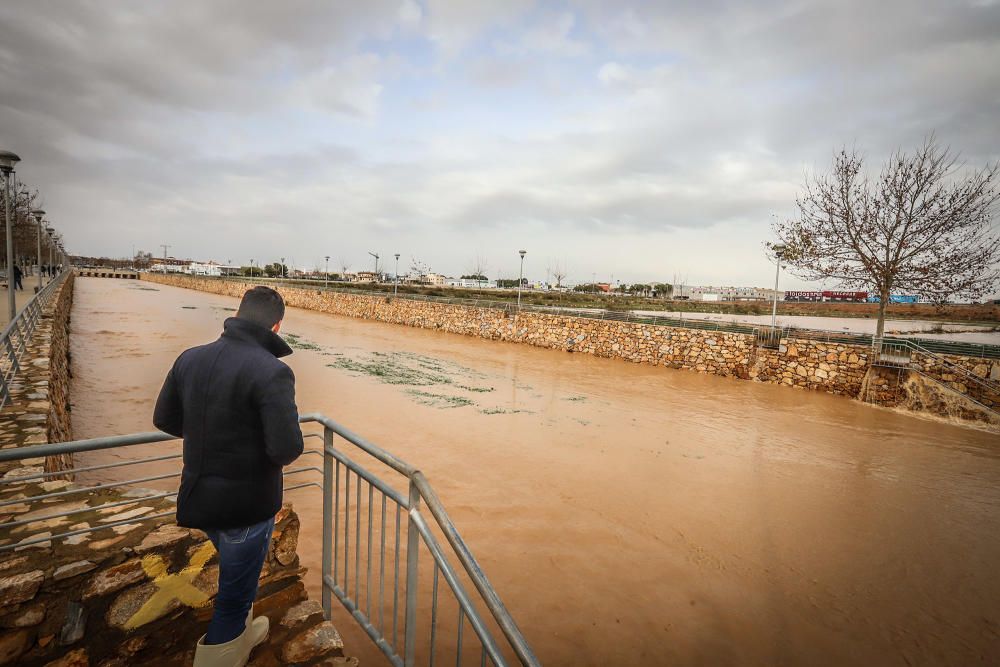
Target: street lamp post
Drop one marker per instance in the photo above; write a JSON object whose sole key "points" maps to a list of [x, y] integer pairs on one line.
{"points": [[7, 162], [326, 272], [39, 213], [50, 230], [779, 251], [520, 280], [284, 273], [395, 288], [251, 267]]}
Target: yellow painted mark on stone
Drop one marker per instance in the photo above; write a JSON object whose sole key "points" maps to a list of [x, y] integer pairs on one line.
{"points": [[170, 587]]}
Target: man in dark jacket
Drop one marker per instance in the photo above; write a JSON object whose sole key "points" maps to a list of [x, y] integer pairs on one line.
{"points": [[233, 402], [18, 275]]}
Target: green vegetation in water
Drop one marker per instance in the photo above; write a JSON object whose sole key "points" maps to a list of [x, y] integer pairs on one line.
{"points": [[224, 308], [505, 411], [145, 289], [190, 307], [477, 390], [297, 343], [417, 370], [575, 398], [390, 371], [438, 400]]}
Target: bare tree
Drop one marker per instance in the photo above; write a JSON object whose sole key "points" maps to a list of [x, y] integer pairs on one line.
{"points": [[24, 225], [419, 268], [479, 268], [559, 273], [920, 226], [345, 266]]}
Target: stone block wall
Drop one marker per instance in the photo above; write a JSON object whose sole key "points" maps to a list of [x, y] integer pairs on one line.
{"points": [[137, 589], [835, 368], [981, 381], [38, 410]]}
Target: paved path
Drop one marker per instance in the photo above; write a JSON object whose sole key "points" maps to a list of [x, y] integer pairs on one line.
{"points": [[21, 297]]}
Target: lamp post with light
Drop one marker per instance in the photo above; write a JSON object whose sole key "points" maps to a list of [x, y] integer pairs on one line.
{"points": [[39, 214], [326, 272], [7, 162], [779, 254], [395, 288], [520, 280], [51, 239]]}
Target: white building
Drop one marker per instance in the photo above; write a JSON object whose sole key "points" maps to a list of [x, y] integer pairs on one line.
{"points": [[199, 269], [731, 293]]}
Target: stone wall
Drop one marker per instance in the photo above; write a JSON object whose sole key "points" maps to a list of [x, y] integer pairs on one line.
{"points": [[978, 382], [134, 589], [833, 367], [836, 368], [38, 410]]}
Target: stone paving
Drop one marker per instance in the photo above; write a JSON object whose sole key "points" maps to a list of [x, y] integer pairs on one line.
{"points": [[21, 297]]}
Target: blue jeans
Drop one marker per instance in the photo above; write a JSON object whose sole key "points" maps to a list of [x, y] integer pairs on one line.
{"points": [[241, 556]]}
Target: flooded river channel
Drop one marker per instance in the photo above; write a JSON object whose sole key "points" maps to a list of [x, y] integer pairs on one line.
{"points": [[627, 514]]}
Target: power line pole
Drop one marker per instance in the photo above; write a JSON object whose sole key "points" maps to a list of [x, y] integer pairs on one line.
{"points": [[165, 248]]}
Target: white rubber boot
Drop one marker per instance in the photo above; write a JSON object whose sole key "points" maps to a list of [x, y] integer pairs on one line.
{"points": [[233, 653], [257, 629]]}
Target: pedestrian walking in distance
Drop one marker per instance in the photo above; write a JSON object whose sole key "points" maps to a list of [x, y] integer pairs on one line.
{"points": [[18, 274], [233, 402]]}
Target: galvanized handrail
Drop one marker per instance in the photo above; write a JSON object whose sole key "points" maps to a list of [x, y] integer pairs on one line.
{"points": [[420, 530], [880, 345], [17, 334]]}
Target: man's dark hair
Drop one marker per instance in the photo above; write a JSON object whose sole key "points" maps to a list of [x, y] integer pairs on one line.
{"points": [[263, 306]]}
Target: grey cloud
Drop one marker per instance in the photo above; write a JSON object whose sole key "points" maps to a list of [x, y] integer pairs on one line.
{"points": [[202, 124]]}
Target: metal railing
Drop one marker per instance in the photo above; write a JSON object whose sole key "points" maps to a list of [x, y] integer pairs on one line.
{"points": [[976, 350], [902, 353], [369, 565], [17, 334]]}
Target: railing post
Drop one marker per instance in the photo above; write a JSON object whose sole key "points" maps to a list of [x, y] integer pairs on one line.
{"points": [[328, 492], [412, 550]]}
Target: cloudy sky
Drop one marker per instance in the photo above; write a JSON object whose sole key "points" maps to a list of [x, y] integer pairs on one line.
{"points": [[639, 139]]}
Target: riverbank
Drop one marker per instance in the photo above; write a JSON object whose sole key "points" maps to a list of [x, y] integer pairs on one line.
{"points": [[987, 315], [824, 364]]}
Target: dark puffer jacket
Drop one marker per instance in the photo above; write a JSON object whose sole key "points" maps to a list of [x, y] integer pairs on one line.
{"points": [[233, 402]]}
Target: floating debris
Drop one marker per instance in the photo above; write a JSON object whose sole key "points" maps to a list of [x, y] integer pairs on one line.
{"points": [[297, 343], [439, 400], [505, 411]]}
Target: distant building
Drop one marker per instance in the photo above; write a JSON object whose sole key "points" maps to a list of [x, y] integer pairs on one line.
{"points": [[433, 279], [732, 293], [363, 277], [468, 283], [198, 269]]}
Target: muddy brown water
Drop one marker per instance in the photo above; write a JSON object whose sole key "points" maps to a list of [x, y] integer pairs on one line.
{"points": [[628, 515]]}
